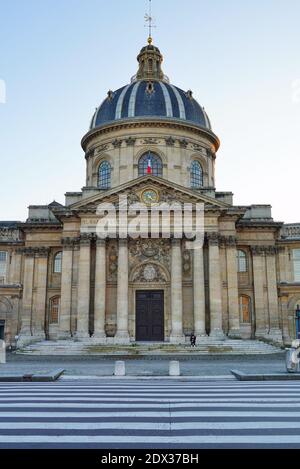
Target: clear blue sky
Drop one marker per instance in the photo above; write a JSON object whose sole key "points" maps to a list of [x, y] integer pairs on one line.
{"points": [[58, 58]]}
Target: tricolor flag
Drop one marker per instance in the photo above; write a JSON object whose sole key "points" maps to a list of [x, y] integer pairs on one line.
{"points": [[149, 167]]}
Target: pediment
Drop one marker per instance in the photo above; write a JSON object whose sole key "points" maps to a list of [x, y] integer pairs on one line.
{"points": [[135, 191]]}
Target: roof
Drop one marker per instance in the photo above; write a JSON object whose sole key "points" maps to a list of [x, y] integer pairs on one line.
{"points": [[144, 98]]}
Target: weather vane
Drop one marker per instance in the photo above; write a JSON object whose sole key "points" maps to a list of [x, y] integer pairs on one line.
{"points": [[150, 22]]}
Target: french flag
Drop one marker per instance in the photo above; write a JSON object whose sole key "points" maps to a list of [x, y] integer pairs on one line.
{"points": [[149, 167]]}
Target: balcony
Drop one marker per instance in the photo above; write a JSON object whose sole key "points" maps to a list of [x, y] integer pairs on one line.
{"points": [[291, 231]]}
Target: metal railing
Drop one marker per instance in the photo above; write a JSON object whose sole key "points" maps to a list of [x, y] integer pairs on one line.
{"points": [[291, 231]]}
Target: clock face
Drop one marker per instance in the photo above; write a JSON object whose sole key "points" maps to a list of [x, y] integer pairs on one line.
{"points": [[150, 196]]}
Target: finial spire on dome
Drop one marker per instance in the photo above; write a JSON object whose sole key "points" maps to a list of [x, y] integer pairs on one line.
{"points": [[150, 20], [150, 58]]}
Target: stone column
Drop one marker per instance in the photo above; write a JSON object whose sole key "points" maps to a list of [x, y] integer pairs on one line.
{"points": [[176, 293], [259, 269], [122, 335], [66, 289], [284, 298], [215, 287], [100, 290], [25, 336], [83, 298], [275, 331], [15, 274], [199, 293], [232, 287], [40, 298]]}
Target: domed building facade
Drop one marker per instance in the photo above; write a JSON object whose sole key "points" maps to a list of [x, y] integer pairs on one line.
{"points": [[150, 144]]}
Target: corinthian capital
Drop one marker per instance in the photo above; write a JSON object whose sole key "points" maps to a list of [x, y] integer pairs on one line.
{"points": [[213, 238]]}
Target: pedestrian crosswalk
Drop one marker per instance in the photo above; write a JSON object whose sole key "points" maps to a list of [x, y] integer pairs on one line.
{"points": [[150, 413]]}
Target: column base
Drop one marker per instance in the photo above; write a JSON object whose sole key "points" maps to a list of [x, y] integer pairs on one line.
{"points": [[200, 334], [64, 335], [287, 340], [99, 335], [234, 334], [217, 334], [99, 338], [23, 340], [122, 338], [276, 335], [261, 333], [177, 339], [81, 335], [26, 338], [38, 335]]}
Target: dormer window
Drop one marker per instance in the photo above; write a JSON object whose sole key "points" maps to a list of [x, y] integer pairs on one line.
{"points": [[150, 87]]}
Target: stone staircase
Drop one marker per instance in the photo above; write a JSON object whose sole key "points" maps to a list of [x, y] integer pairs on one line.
{"points": [[205, 346]]}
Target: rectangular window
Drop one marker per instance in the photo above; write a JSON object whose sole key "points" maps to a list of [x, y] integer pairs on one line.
{"points": [[3, 267], [296, 262]]}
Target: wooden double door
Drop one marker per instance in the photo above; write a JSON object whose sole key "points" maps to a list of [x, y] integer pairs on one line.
{"points": [[150, 316]]}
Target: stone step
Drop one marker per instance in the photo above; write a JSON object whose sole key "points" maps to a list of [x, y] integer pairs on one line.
{"points": [[205, 346]]}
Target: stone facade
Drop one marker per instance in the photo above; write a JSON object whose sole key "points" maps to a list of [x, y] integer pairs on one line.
{"points": [[62, 281]]}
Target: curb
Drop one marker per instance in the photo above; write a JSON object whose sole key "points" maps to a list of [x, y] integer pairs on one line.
{"points": [[50, 377], [147, 378], [240, 376]]}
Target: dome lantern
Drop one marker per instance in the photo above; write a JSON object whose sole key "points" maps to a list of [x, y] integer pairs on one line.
{"points": [[150, 60]]}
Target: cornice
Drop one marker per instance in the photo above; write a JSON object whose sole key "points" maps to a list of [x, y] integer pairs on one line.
{"points": [[40, 226], [151, 123], [259, 250], [259, 225], [38, 251]]}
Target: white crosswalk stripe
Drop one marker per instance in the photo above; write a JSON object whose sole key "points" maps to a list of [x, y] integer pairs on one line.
{"points": [[150, 414]]}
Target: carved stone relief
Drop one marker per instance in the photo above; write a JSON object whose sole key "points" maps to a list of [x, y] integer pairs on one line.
{"points": [[112, 262], [149, 273], [186, 262], [142, 250]]}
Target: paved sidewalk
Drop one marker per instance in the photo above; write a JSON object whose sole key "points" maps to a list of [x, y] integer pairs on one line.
{"points": [[152, 366]]}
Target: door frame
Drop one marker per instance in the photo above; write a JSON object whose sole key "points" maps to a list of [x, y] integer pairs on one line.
{"points": [[150, 289], [133, 287]]}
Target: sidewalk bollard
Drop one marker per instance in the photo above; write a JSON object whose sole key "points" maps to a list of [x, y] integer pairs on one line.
{"points": [[174, 368], [2, 352], [120, 368]]}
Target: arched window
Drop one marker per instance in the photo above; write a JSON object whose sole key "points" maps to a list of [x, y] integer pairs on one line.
{"points": [[150, 163], [3, 267], [242, 261], [104, 175], [54, 310], [196, 175], [57, 263], [245, 309]]}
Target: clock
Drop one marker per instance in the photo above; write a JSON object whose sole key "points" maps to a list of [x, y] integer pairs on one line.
{"points": [[150, 196]]}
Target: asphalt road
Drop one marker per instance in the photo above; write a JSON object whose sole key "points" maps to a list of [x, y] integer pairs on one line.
{"points": [[194, 366]]}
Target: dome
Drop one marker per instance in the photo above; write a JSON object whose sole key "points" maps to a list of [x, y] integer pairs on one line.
{"points": [[150, 99], [150, 95]]}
